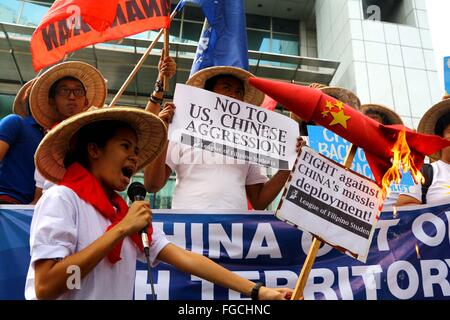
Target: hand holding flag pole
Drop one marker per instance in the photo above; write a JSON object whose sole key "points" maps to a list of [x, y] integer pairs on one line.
{"points": [[142, 60]]}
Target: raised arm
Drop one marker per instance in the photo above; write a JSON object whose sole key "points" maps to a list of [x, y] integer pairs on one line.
{"points": [[157, 173], [167, 68]]}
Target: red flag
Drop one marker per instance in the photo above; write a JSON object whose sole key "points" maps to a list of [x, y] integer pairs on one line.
{"points": [[70, 25], [269, 103]]}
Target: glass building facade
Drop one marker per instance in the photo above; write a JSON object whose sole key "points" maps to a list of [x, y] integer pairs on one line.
{"points": [[265, 34]]}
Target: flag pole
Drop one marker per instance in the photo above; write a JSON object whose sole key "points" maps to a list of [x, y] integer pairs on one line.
{"points": [[139, 64], [166, 52]]}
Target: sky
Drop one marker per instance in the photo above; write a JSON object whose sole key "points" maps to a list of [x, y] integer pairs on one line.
{"points": [[439, 23]]}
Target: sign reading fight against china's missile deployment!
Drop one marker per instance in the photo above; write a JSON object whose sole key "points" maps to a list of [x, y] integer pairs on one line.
{"points": [[228, 127], [333, 203]]}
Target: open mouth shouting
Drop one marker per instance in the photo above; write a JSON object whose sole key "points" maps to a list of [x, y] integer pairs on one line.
{"points": [[128, 172]]}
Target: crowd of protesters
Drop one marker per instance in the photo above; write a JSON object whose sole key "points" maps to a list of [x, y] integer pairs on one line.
{"points": [[64, 152]]}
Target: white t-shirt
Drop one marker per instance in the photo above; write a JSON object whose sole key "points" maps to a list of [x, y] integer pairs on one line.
{"points": [[208, 181], [62, 225], [439, 190], [405, 186], [41, 182]]}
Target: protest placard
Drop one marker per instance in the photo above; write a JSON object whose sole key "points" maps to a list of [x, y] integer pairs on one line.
{"points": [[333, 203], [226, 126]]}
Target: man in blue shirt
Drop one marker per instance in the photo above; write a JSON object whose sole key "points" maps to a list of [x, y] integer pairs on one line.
{"points": [[20, 135]]}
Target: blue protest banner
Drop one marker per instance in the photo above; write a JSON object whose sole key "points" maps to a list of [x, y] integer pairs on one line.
{"points": [[447, 74], [409, 257]]}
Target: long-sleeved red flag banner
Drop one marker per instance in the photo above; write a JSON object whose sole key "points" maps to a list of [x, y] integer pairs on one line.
{"points": [[70, 25]]}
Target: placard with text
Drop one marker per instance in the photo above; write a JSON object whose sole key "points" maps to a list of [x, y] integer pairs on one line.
{"points": [[235, 129], [335, 204]]}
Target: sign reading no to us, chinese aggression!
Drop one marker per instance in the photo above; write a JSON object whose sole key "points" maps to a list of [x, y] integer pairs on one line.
{"points": [[333, 203], [237, 130]]}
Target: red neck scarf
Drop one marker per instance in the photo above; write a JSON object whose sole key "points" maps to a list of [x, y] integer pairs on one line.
{"points": [[87, 187]]}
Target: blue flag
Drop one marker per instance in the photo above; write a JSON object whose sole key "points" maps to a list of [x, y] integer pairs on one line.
{"points": [[224, 39], [447, 74]]}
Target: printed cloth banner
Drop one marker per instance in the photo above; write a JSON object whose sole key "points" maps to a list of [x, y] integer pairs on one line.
{"points": [[70, 25], [409, 257], [232, 128]]}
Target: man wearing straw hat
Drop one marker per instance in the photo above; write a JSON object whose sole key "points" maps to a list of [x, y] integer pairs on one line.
{"points": [[20, 135], [381, 114], [435, 121], [203, 183], [62, 91]]}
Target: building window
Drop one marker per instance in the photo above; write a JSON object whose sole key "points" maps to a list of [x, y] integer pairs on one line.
{"points": [[273, 35], [266, 34], [9, 10], [285, 26], [32, 13], [285, 44], [258, 40], [258, 22], [191, 32]]}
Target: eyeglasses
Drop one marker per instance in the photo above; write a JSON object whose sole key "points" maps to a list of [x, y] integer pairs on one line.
{"points": [[65, 92]]}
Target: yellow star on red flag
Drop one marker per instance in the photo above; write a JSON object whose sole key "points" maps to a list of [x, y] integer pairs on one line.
{"points": [[329, 105], [339, 118], [340, 105]]}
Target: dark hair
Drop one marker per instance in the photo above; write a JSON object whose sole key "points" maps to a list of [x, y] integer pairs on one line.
{"points": [[441, 124], [99, 132], [384, 118], [211, 82], [52, 91]]}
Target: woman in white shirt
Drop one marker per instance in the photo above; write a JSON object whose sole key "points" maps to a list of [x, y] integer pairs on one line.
{"points": [[435, 121], [83, 224]]}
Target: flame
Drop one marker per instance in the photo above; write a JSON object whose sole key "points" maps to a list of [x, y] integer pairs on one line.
{"points": [[401, 159]]}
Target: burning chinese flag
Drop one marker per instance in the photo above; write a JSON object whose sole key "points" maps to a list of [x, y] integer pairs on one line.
{"points": [[70, 25], [381, 143]]}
